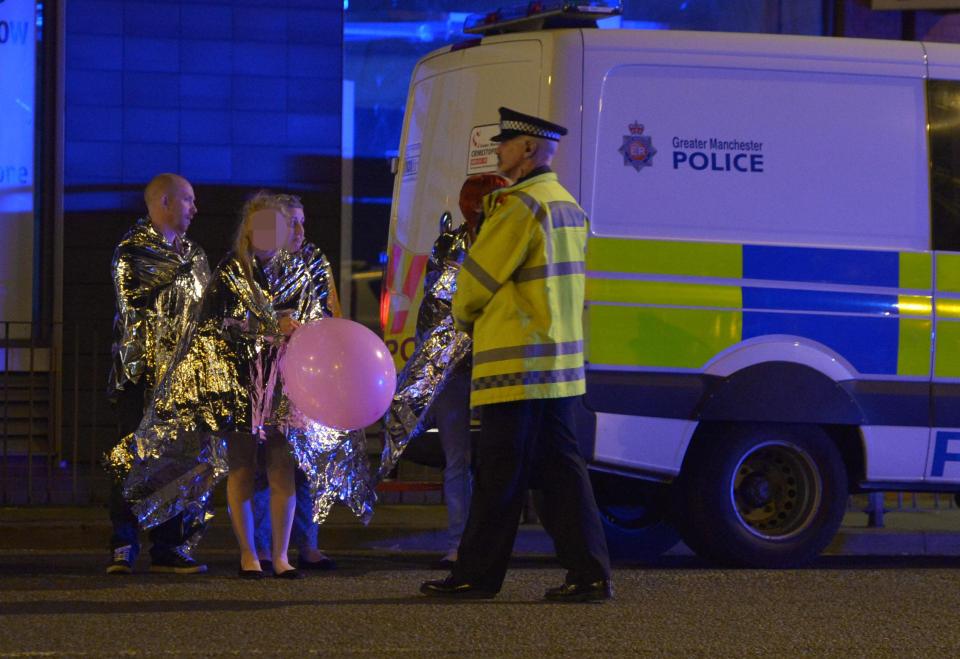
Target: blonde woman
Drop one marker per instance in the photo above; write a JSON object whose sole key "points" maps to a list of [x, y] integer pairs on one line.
{"points": [[253, 328]]}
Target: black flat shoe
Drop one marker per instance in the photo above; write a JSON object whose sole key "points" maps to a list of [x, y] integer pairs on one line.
{"points": [[452, 589], [292, 573], [598, 591], [250, 574], [324, 563]]}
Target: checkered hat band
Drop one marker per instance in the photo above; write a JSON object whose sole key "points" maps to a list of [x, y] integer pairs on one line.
{"points": [[529, 129]]}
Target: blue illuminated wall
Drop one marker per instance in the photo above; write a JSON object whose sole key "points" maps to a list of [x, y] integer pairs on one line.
{"points": [[235, 95], [228, 93]]}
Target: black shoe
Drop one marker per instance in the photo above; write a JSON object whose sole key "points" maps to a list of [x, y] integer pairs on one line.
{"points": [[598, 591], [453, 589], [292, 573], [176, 561], [123, 559], [325, 563], [250, 574]]}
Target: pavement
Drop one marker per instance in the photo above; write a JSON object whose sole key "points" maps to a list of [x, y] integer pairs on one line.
{"points": [[422, 528], [61, 604], [882, 592]]}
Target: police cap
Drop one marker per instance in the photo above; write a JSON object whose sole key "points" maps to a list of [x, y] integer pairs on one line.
{"points": [[514, 124]]}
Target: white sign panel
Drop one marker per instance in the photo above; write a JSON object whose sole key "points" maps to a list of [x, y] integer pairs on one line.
{"points": [[482, 151], [17, 100], [762, 156], [411, 161]]}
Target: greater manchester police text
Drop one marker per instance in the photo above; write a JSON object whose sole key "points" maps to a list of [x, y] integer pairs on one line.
{"points": [[717, 144]]}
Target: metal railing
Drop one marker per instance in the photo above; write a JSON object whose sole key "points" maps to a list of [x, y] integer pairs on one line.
{"points": [[52, 391], [877, 504]]}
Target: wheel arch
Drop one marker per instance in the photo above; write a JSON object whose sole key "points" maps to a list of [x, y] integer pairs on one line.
{"points": [[811, 392], [810, 375]]}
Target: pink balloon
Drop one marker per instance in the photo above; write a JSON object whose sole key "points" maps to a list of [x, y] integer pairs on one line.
{"points": [[339, 373]]}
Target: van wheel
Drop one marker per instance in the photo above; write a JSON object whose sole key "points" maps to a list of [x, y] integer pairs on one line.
{"points": [[762, 495], [633, 516]]}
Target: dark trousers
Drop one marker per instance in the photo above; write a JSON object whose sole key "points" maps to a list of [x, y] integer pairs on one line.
{"points": [[531, 444], [164, 537]]}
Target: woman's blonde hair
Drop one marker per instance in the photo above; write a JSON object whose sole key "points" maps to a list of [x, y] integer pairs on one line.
{"points": [[242, 240]]}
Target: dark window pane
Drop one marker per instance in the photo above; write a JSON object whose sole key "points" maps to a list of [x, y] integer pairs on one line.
{"points": [[943, 110]]}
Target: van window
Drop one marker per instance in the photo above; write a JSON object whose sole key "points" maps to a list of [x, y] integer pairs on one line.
{"points": [[785, 157], [943, 107]]}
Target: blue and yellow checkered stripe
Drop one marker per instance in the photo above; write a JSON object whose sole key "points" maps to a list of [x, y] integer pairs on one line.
{"points": [[671, 304]]}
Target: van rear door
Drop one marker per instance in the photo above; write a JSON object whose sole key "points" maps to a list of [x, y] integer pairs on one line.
{"points": [[450, 117]]}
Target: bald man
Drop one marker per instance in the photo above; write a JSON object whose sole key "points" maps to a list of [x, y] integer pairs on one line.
{"points": [[158, 276]]}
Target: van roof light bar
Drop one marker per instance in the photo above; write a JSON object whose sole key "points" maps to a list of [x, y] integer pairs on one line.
{"points": [[541, 15]]}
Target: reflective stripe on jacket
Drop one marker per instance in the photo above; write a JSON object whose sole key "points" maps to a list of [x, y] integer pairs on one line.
{"points": [[520, 292]]}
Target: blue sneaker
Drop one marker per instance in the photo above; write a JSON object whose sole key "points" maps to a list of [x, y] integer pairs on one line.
{"points": [[123, 559], [176, 561]]}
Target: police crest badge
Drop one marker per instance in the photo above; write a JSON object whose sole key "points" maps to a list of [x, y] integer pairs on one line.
{"points": [[637, 149]]}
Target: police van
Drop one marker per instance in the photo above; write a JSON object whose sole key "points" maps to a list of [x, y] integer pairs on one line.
{"points": [[773, 265]]}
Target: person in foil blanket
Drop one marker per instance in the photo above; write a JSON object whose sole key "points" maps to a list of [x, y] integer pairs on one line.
{"points": [[222, 404], [301, 280], [434, 385], [159, 276]]}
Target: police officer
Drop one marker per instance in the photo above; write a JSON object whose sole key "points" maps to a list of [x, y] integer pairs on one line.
{"points": [[520, 294]]}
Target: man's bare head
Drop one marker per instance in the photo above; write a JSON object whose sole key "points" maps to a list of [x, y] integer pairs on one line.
{"points": [[170, 202]]}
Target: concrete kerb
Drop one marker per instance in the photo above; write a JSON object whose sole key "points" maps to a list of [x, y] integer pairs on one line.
{"points": [[422, 528]]}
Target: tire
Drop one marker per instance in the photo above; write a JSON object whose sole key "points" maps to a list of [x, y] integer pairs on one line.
{"points": [[770, 496], [633, 513]]}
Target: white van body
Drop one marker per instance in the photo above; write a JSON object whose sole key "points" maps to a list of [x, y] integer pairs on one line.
{"points": [[772, 276]]}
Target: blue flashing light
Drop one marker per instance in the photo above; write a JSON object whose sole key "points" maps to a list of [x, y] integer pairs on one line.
{"points": [[370, 201], [374, 201], [382, 257], [422, 31], [643, 25], [533, 14]]}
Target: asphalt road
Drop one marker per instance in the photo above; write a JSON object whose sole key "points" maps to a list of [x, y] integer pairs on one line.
{"points": [[58, 604]]}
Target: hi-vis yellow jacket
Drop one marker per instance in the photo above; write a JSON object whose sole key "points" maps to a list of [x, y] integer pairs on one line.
{"points": [[520, 291]]}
